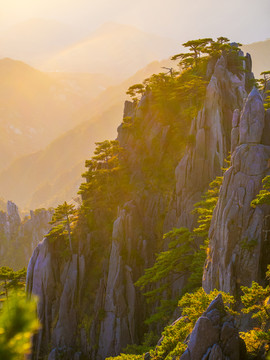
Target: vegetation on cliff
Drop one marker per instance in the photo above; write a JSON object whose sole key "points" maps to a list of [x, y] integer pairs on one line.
{"points": [[137, 166], [185, 257]]}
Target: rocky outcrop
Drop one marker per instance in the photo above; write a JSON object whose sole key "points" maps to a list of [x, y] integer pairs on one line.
{"points": [[215, 336], [201, 163], [57, 284], [210, 130], [239, 234], [102, 328], [134, 238], [18, 238]]}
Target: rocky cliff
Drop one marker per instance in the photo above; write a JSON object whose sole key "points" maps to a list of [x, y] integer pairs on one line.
{"points": [[18, 238], [239, 234], [211, 130], [74, 325], [215, 336]]}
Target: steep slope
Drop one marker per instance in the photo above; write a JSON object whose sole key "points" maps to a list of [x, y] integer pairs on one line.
{"points": [[36, 107], [97, 316], [238, 231], [200, 164], [211, 129], [48, 177]]}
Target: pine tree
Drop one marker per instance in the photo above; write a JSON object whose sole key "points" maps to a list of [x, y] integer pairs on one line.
{"points": [[11, 281], [63, 217]]}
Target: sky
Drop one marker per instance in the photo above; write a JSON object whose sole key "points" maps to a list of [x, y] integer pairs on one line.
{"points": [[244, 21]]}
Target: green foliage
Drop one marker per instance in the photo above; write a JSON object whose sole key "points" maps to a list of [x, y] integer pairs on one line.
{"points": [[204, 210], [149, 342], [252, 341], [11, 281], [181, 95], [185, 256], [63, 218], [264, 195], [196, 48], [135, 91], [174, 99], [104, 176], [107, 186], [192, 307], [202, 49], [178, 95], [126, 357], [18, 322], [256, 302], [176, 260], [262, 85], [267, 100], [162, 314]]}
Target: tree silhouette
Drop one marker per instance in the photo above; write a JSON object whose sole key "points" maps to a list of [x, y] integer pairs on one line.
{"points": [[63, 217]]}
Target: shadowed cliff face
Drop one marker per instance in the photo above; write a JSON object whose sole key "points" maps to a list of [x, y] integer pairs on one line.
{"points": [[239, 234], [18, 238], [116, 318]]}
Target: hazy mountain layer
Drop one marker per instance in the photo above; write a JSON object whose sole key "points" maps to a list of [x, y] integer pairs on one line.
{"points": [[52, 175], [36, 107], [115, 50], [260, 53], [36, 39]]}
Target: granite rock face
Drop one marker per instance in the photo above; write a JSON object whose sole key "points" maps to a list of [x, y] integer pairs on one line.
{"points": [[131, 249], [211, 130], [215, 336], [119, 310], [239, 234], [57, 283]]}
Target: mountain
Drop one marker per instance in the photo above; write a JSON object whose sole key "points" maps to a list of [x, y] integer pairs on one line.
{"points": [[36, 39], [139, 201], [53, 174], [260, 53], [36, 107], [48, 177], [114, 49]]}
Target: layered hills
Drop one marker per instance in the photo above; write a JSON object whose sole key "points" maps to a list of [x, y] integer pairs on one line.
{"points": [[260, 52], [36, 107], [115, 50], [51, 175]]}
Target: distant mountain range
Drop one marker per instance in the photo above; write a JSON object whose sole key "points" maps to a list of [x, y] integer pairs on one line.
{"points": [[114, 49], [50, 176], [49, 122], [260, 53], [36, 107], [34, 40]]}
